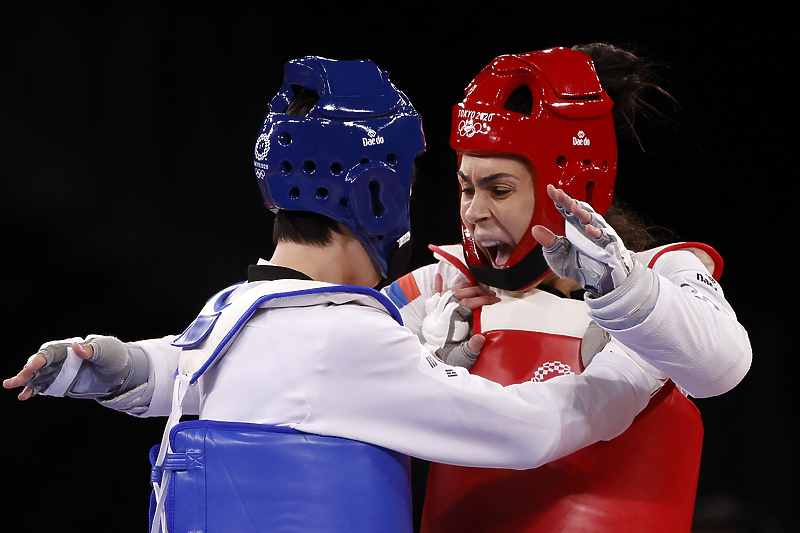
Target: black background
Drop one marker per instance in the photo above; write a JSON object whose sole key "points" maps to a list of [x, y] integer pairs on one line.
{"points": [[126, 138]]}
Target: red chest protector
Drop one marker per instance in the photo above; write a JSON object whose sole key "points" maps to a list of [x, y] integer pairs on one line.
{"points": [[645, 480]]}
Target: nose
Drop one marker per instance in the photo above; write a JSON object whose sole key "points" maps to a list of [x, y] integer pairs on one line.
{"points": [[477, 209]]}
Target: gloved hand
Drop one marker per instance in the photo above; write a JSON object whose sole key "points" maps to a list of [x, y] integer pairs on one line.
{"points": [[99, 367], [591, 253], [446, 328]]}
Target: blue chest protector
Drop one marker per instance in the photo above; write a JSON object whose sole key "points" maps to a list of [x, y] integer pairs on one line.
{"points": [[214, 476]]}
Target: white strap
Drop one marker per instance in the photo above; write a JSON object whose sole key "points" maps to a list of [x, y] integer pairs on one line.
{"points": [[180, 388], [65, 377]]}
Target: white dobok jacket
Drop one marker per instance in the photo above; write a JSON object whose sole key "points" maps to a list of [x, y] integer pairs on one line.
{"points": [[353, 371]]}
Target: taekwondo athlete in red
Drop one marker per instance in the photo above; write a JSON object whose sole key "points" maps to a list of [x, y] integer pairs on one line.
{"points": [[530, 122]]}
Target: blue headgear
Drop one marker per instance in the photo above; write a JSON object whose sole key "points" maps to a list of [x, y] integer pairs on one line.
{"points": [[350, 158]]}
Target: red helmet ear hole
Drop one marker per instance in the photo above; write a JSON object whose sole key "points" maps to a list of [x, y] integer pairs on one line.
{"points": [[590, 193], [562, 161], [520, 101]]}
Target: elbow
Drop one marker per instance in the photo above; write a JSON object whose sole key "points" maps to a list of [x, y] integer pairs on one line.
{"points": [[724, 379]]}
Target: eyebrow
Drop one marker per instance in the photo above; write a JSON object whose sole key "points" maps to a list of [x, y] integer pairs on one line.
{"points": [[483, 179]]}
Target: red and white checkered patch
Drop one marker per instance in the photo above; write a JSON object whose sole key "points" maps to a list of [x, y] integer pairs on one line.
{"points": [[553, 367]]}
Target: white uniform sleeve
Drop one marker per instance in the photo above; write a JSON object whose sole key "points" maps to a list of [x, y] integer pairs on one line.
{"points": [[386, 389], [691, 333], [163, 359], [415, 404]]}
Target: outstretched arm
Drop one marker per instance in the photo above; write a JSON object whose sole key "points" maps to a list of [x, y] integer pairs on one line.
{"points": [[674, 315], [97, 368]]}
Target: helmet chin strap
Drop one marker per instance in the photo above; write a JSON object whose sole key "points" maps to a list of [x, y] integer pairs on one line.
{"points": [[517, 276], [399, 257]]}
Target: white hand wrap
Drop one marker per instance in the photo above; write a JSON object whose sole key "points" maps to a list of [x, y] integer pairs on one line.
{"points": [[70, 364], [112, 369], [446, 321], [599, 265]]}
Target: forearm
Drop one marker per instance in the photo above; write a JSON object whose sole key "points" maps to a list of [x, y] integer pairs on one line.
{"points": [[599, 404], [691, 336], [456, 418], [154, 397]]}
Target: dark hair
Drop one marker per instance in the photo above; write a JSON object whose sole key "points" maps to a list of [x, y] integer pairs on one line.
{"points": [[303, 100], [637, 231], [627, 78], [304, 227]]}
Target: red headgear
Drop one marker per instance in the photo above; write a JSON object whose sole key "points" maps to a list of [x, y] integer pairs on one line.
{"points": [[568, 140]]}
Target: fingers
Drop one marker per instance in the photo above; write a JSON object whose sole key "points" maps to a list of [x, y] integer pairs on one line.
{"points": [[445, 305], [593, 232], [437, 283], [560, 198], [35, 363], [26, 374], [26, 393], [544, 236], [566, 202], [473, 297]]}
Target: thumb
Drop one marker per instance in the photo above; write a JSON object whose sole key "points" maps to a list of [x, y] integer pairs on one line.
{"points": [[543, 236], [84, 351], [475, 344]]}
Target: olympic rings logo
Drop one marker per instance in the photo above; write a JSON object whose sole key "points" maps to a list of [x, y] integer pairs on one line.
{"points": [[469, 128]]}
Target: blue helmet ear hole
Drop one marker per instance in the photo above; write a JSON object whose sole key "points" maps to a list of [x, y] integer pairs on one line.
{"points": [[285, 139], [336, 168], [391, 159], [364, 160], [378, 209], [286, 168], [294, 193], [309, 166], [344, 202], [322, 193]]}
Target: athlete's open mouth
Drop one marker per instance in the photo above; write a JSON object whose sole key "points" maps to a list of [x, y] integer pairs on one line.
{"points": [[498, 252]]}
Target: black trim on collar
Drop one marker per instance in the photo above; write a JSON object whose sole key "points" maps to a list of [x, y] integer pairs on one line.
{"points": [[272, 273], [577, 294]]}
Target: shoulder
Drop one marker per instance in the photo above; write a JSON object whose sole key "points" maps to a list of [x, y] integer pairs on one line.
{"points": [[420, 282], [354, 332], [683, 255]]}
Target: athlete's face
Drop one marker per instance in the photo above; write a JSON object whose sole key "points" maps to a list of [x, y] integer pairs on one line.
{"points": [[496, 203]]}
